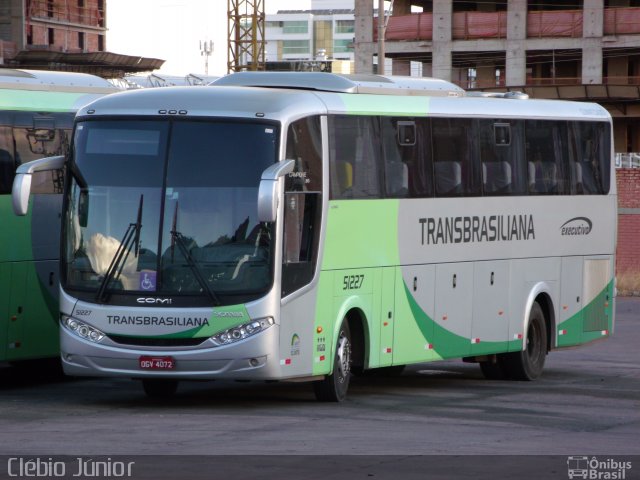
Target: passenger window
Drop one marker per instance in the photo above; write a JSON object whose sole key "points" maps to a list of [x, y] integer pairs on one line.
{"points": [[546, 153], [354, 151], [502, 156], [408, 167], [38, 142], [590, 149], [453, 158], [7, 160]]}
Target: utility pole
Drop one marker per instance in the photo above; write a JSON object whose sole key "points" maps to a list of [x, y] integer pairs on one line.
{"points": [[381, 30], [206, 50]]}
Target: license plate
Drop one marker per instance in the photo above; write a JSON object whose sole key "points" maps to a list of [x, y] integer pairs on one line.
{"points": [[157, 363]]}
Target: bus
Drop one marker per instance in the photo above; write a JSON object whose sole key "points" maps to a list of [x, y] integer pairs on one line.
{"points": [[311, 226], [36, 117]]}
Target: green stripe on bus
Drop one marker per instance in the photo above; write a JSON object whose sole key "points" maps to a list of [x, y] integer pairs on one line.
{"points": [[449, 345], [572, 331], [385, 105], [29, 100]]}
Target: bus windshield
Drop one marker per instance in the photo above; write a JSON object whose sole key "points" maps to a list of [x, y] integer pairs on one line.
{"points": [[168, 208]]}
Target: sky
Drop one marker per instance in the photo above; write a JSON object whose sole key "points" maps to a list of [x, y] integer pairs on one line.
{"points": [[172, 30]]}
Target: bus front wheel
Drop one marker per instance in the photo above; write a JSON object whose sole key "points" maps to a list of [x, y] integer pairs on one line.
{"points": [[528, 363], [334, 386]]}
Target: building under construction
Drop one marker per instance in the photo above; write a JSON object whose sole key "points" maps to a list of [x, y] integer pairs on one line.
{"points": [[67, 35]]}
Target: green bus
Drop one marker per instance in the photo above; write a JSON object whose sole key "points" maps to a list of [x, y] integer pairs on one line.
{"points": [[36, 117], [307, 226]]}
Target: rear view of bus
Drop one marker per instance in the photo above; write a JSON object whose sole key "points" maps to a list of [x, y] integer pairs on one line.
{"points": [[36, 116]]}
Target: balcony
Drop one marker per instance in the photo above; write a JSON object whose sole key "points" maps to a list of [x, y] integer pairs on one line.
{"points": [[8, 50], [493, 25], [65, 14]]}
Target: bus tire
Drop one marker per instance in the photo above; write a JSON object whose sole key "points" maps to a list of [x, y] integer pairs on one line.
{"points": [[495, 370], [529, 363], [333, 388], [159, 387]]}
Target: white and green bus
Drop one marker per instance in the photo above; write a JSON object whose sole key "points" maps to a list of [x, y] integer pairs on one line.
{"points": [[307, 226], [37, 109]]}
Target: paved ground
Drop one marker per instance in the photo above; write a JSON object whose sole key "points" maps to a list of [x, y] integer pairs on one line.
{"points": [[586, 403]]}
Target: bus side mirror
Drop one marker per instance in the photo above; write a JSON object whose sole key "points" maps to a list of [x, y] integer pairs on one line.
{"points": [[22, 181], [268, 191]]}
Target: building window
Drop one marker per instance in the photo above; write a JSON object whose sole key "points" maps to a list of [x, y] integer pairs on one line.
{"points": [[80, 3], [51, 36], [290, 47], [342, 46], [101, 43], [295, 27], [81, 40], [345, 26], [50, 8], [273, 24]]}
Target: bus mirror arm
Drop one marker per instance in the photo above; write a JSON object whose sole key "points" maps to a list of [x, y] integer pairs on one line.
{"points": [[22, 182], [268, 191]]}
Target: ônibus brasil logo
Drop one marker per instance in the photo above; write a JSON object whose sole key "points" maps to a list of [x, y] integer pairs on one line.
{"points": [[576, 226], [597, 469]]}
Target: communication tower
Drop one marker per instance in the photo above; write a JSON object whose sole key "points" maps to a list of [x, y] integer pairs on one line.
{"points": [[245, 20]]}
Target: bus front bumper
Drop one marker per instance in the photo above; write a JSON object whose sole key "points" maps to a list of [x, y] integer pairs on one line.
{"points": [[254, 358]]}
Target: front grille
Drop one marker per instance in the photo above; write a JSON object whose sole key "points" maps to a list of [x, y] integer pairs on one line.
{"points": [[157, 342]]}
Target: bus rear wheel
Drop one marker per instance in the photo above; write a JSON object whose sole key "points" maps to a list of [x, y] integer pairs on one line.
{"points": [[159, 387], [334, 386], [529, 363]]}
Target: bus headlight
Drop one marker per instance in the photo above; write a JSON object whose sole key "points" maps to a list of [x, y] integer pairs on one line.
{"points": [[82, 330], [243, 331]]}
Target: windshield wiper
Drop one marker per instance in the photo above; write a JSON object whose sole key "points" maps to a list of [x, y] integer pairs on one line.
{"points": [[131, 238], [178, 238]]}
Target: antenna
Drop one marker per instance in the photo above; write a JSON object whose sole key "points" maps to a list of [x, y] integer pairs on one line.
{"points": [[206, 50]]}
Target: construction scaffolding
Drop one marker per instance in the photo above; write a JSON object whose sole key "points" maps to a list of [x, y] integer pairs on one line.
{"points": [[246, 47]]}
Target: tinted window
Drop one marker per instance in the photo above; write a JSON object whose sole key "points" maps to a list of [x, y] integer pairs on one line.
{"points": [[302, 204], [546, 154], [590, 157], [43, 139], [502, 156], [354, 157], [304, 145], [231, 153], [408, 167], [454, 157], [7, 161], [129, 154]]}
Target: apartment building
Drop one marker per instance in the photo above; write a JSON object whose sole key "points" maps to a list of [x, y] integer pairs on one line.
{"points": [[323, 33], [62, 35]]}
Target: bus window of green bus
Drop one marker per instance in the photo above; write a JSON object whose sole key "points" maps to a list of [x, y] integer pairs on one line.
{"points": [[7, 162], [302, 205]]}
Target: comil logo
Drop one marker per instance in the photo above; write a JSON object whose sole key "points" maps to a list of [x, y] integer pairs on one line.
{"points": [[576, 226], [597, 469], [155, 301]]}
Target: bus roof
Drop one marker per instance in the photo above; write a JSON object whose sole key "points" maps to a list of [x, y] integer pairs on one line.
{"points": [[332, 82], [52, 81], [42, 91], [285, 104]]}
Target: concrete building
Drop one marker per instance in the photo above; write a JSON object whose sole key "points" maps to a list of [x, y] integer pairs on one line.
{"points": [[576, 49], [62, 35], [325, 32]]}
